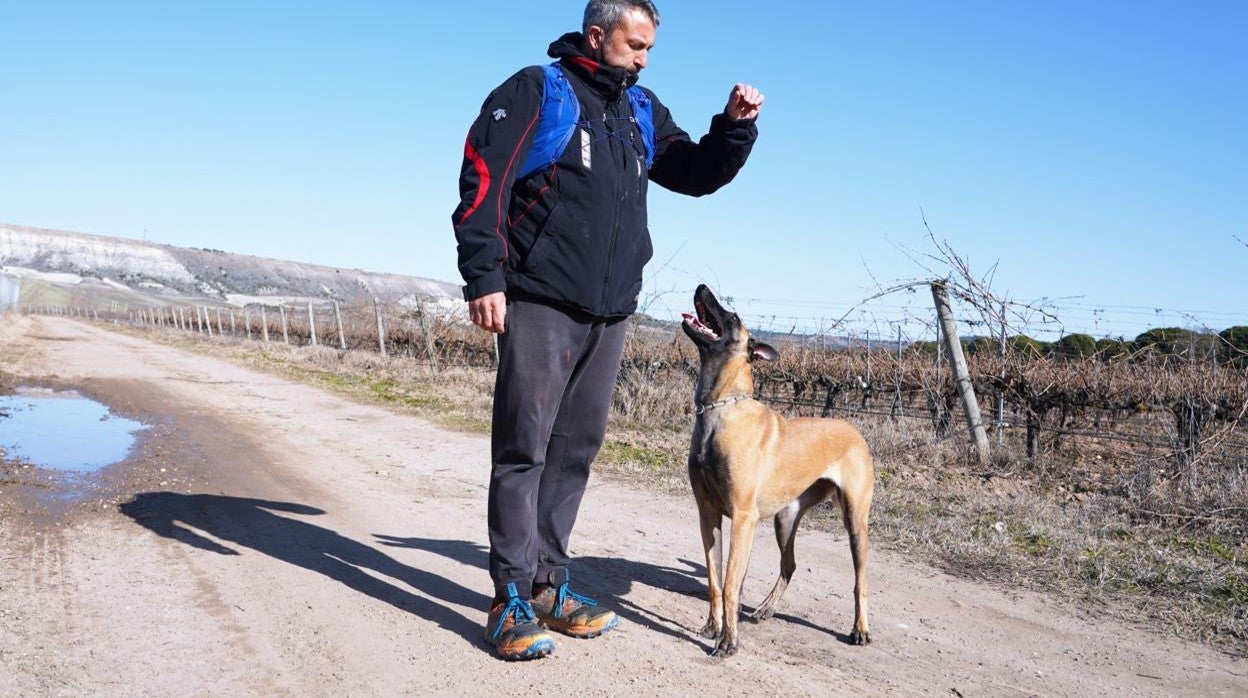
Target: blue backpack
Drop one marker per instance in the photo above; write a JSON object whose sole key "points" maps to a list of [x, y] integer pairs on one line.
{"points": [[561, 110]]}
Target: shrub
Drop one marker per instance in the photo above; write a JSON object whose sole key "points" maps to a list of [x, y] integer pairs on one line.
{"points": [[1076, 346]]}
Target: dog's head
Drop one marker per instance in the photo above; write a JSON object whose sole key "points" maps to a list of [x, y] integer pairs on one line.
{"points": [[719, 334]]}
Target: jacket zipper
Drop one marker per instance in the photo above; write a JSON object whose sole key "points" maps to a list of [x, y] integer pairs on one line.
{"points": [[615, 217]]}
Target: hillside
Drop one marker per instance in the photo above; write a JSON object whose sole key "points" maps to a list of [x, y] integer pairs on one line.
{"points": [[56, 264]]}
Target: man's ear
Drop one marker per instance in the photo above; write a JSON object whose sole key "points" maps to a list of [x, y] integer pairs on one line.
{"points": [[595, 36], [760, 350]]}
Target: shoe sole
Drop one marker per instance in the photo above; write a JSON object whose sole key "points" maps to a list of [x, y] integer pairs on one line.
{"points": [[537, 650], [581, 632]]}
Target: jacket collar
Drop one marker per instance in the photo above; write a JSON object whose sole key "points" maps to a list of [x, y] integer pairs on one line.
{"points": [[610, 81]]}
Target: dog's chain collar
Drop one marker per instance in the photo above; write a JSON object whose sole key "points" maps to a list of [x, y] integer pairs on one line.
{"points": [[699, 408]]}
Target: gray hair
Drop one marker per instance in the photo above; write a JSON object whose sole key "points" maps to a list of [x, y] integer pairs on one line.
{"points": [[607, 13]]}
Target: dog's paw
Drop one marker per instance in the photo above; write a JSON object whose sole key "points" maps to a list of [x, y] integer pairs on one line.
{"points": [[711, 630], [762, 614], [860, 637], [725, 648]]}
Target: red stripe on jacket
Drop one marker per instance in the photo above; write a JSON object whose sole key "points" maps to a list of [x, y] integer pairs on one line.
{"points": [[483, 177]]}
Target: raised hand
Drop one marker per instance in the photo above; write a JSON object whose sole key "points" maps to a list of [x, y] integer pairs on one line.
{"points": [[744, 103]]}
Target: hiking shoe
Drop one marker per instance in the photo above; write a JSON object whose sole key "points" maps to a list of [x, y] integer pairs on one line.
{"points": [[513, 632], [559, 608]]}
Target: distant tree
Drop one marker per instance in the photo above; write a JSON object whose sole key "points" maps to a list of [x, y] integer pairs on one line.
{"points": [[1165, 340], [985, 345], [1176, 341], [1108, 349], [923, 347], [1236, 336], [1031, 348], [1075, 346], [1235, 344]]}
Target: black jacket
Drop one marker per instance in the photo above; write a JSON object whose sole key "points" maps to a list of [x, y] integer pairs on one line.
{"points": [[575, 234]]}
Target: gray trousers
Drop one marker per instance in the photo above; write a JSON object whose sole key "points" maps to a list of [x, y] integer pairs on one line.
{"points": [[556, 370]]}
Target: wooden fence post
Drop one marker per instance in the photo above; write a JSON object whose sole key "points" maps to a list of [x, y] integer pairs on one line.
{"points": [[381, 329], [233, 328], [898, 407], [342, 336], [1001, 393], [264, 324], [424, 327], [311, 323], [285, 325], [869, 390], [970, 406]]}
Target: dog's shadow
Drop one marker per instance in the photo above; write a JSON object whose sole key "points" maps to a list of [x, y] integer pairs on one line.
{"points": [[843, 638], [255, 524]]}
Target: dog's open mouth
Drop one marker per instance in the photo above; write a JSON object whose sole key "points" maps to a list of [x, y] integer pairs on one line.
{"points": [[704, 323]]}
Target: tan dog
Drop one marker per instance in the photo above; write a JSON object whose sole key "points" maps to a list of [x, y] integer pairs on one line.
{"points": [[747, 462]]}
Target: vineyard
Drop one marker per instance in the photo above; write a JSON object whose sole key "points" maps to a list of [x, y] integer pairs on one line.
{"points": [[1121, 418]]}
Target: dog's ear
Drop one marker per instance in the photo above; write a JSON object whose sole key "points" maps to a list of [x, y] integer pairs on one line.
{"points": [[759, 350]]}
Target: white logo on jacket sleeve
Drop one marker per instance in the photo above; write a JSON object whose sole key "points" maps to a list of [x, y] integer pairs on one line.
{"points": [[586, 160], [499, 114]]}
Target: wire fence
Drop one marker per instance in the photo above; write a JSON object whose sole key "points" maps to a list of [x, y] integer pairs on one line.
{"points": [[1185, 405]]}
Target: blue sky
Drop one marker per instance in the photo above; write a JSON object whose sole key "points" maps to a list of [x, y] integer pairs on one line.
{"points": [[1095, 152]]}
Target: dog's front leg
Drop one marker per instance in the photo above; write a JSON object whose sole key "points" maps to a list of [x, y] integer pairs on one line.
{"points": [[712, 533], [743, 526]]}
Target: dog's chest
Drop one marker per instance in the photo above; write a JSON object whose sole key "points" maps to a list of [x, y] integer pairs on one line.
{"points": [[711, 462], [706, 452]]}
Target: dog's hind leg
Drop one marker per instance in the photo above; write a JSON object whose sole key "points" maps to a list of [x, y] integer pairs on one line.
{"points": [[855, 515], [786, 521], [712, 535], [786, 532]]}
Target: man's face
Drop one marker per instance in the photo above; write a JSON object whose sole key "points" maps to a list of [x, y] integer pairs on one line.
{"points": [[628, 46]]}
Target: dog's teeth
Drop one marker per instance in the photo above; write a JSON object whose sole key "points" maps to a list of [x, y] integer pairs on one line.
{"points": [[696, 324]]}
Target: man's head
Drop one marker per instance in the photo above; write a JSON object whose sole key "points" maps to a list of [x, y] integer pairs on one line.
{"points": [[620, 33]]}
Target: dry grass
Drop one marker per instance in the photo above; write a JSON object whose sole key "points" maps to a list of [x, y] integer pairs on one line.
{"points": [[1120, 535]]}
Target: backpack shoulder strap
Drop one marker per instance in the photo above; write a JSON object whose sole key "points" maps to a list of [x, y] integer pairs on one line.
{"points": [[643, 114], [555, 124]]}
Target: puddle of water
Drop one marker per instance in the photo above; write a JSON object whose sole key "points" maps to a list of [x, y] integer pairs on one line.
{"points": [[63, 431]]}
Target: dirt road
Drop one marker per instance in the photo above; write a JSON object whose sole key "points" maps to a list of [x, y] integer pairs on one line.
{"points": [[298, 544]]}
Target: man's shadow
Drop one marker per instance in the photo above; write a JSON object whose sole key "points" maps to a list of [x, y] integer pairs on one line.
{"points": [[252, 523]]}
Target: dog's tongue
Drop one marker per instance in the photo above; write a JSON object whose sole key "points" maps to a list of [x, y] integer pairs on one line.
{"points": [[696, 324]]}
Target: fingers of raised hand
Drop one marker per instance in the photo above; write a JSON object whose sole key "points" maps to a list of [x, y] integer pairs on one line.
{"points": [[744, 102]]}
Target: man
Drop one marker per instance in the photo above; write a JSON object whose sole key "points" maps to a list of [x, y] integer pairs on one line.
{"points": [[552, 262]]}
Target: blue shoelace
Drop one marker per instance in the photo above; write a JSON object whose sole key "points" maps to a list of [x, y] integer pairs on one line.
{"points": [[517, 608], [564, 592]]}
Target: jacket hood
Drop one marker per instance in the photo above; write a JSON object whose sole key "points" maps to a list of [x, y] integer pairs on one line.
{"points": [[609, 80]]}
